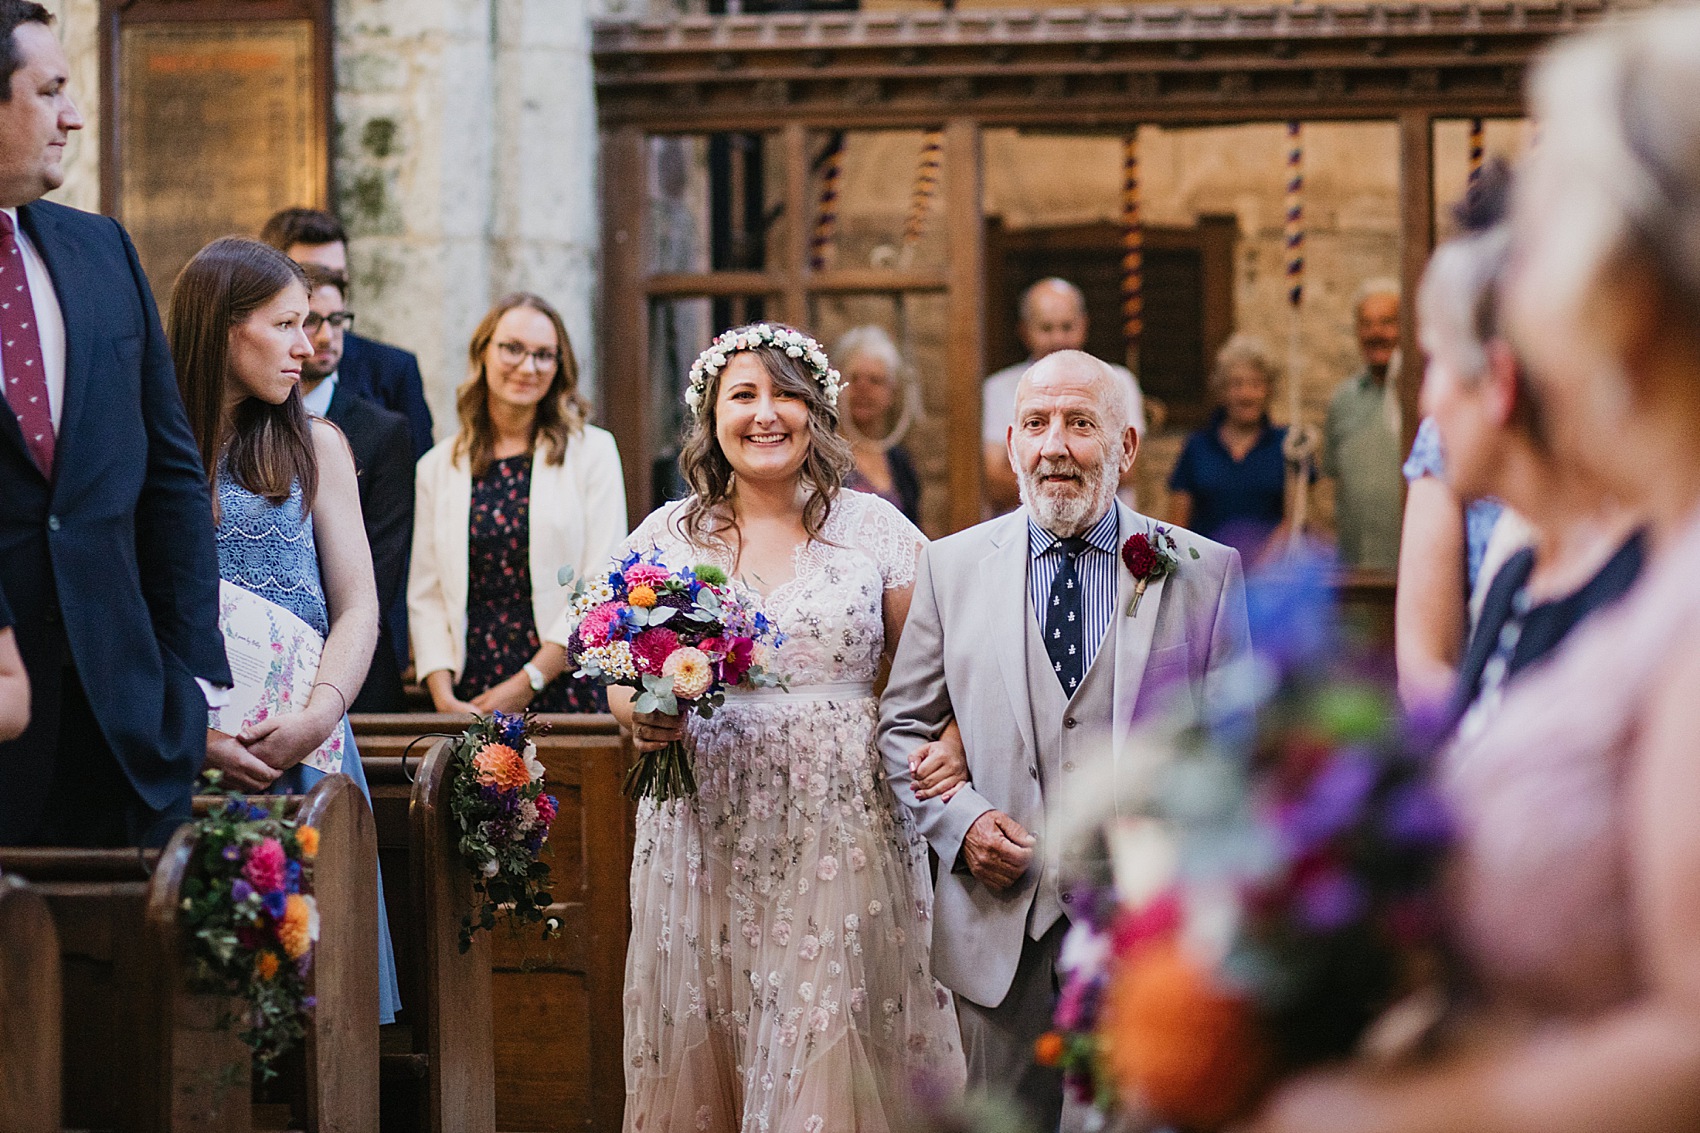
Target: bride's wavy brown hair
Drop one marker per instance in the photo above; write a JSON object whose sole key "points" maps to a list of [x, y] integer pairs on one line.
{"points": [[705, 518]]}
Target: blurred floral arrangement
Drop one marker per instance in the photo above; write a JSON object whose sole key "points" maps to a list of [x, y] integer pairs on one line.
{"points": [[252, 929], [681, 638], [1271, 898], [496, 796]]}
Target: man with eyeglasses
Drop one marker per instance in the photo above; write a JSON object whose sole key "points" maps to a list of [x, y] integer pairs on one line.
{"points": [[383, 456]]}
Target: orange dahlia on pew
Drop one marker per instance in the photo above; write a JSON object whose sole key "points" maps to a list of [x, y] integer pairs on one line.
{"points": [[307, 837], [295, 930], [1174, 1038], [499, 765], [265, 965]]}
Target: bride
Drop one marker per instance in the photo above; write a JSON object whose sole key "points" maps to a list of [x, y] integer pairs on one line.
{"points": [[778, 975]]}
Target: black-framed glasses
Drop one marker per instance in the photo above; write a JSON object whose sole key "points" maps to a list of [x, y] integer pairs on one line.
{"points": [[515, 355], [340, 320]]}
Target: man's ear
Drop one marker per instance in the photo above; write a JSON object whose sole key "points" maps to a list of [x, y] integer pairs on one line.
{"points": [[1130, 447]]}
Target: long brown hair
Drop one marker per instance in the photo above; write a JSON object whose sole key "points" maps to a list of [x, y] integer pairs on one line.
{"points": [[560, 414], [705, 468], [268, 448]]}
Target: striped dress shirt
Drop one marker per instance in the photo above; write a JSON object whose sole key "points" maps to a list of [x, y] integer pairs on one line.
{"points": [[1096, 568]]}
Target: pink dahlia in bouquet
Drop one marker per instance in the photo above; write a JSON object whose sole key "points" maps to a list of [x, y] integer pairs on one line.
{"points": [[680, 638]]}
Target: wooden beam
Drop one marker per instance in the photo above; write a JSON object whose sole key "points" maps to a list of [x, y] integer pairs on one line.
{"points": [[625, 311], [714, 284], [1416, 241], [799, 221], [965, 312]]}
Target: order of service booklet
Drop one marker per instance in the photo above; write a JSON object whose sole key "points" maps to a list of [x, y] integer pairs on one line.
{"points": [[274, 659]]}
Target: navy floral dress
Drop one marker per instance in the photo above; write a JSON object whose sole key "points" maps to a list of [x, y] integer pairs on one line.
{"points": [[501, 633]]}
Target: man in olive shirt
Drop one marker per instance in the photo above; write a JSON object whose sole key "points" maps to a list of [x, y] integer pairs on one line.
{"points": [[1362, 440]]}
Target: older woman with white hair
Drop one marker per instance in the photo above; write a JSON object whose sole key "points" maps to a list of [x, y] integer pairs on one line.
{"points": [[1574, 896], [1230, 481], [871, 366]]}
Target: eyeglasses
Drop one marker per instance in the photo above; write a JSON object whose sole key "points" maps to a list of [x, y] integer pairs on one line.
{"points": [[515, 355], [340, 320]]}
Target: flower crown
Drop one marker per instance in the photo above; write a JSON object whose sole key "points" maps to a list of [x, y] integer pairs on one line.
{"points": [[794, 343]]}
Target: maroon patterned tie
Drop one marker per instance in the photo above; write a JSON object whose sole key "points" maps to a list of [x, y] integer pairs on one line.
{"points": [[26, 377]]}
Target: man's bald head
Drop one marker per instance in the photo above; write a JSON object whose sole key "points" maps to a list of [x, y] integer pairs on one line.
{"points": [[1053, 317], [1076, 368]]}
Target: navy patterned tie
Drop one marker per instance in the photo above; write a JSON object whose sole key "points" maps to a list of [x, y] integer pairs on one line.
{"points": [[1064, 613]]}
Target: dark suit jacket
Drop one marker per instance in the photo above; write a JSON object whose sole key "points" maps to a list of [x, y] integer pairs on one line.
{"points": [[111, 566], [383, 456], [389, 376]]}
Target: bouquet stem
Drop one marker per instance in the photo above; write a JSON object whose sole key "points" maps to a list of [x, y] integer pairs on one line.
{"points": [[663, 774]]}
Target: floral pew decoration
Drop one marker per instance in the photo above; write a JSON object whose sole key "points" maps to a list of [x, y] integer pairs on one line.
{"points": [[680, 638], [503, 815], [1274, 894], [251, 927]]}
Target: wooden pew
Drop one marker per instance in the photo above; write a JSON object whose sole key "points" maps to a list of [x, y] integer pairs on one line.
{"points": [[140, 1050], [29, 1012], [556, 1035]]}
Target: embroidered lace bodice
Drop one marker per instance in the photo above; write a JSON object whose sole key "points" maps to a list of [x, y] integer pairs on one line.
{"points": [[268, 549], [831, 609]]}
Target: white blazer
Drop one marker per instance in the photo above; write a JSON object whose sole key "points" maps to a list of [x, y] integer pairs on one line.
{"points": [[577, 519]]}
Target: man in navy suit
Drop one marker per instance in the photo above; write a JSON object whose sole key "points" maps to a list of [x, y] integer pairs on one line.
{"points": [[373, 370], [383, 456], [106, 537]]}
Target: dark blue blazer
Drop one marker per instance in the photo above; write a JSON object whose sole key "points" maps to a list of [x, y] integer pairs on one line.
{"points": [[111, 565], [389, 376]]}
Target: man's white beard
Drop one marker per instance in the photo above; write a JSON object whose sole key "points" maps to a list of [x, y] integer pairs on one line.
{"points": [[1067, 511]]}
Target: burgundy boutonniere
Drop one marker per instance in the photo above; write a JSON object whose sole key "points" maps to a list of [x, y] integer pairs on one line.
{"points": [[1150, 557]]}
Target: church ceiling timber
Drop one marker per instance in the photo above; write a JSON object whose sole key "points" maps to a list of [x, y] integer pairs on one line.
{"points": [[1085, 68]]}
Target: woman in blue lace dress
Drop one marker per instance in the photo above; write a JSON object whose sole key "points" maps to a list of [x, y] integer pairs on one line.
{"points": [[287, 506]]}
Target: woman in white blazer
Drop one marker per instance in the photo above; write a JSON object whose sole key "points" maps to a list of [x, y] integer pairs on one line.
{"points": [[524, 488]]}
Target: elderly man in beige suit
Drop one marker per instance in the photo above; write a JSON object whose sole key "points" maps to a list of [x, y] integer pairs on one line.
{"points": [[1025, 630]]}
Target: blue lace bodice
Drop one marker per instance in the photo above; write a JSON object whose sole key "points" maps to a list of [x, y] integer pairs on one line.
{"points": [[268, 549]]}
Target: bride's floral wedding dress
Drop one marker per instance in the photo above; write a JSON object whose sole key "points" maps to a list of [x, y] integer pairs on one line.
{"points": [[778, 975]]}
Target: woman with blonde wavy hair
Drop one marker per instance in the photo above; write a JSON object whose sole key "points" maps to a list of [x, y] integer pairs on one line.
{"points": [[524, 487], [778, 973], [1574, 900]]}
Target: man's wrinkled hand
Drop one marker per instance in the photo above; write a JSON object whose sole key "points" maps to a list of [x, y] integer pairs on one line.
{"points": [[998, 850]]}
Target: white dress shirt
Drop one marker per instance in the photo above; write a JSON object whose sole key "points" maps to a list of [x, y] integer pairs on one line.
{"points": [[49, 322], [318, 403]]}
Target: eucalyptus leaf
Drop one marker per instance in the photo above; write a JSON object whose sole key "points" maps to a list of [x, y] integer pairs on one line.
{"points": [[565, 575], [661, 614], [646, 702]]}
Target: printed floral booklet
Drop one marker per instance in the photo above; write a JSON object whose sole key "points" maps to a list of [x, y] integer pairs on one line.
{"points": [[274, 659]]}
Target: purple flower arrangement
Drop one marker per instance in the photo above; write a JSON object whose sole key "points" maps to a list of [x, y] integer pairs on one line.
{"points": [[251, 927], [496, 795]]}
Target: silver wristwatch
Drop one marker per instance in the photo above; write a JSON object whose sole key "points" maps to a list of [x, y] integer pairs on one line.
{"points": [[535, 676]]}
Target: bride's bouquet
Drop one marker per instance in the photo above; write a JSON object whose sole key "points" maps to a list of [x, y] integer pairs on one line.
{"points": [[681, 638]]}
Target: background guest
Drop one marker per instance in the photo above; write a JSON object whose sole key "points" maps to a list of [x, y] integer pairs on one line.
{"points": [[1574, 896], [109, 563], [374, 370], [1361, 442], [14, 682], [871, 364], [1052, 317], [525, 487], [383, 458], [1230, 483], [287, 507]]}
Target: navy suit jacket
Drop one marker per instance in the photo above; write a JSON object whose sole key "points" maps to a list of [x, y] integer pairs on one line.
{"points": [[389, 376], [111, 566], [383, 456]]}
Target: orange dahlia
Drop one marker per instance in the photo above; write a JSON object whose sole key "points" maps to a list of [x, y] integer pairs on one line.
{"points": [[1176, 1040], [265, 965], [295, 930], [1048, 1049], [641, 596], [501, 766], [307, 837]]}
